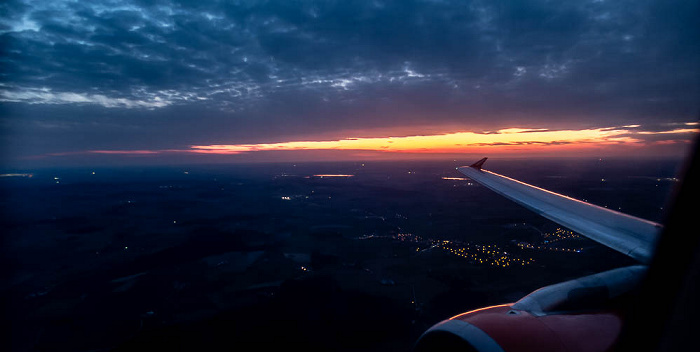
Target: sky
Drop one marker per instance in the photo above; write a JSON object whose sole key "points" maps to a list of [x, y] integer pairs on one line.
{"points": [[122, 82]]}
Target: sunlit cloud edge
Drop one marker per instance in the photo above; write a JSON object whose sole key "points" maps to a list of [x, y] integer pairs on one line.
{"points": [[511, 140]]}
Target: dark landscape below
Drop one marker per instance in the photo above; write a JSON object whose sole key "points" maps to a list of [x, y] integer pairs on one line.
{"points": [[322, 256]]}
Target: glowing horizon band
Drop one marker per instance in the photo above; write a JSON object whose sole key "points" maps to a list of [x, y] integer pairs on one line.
{"points": [[510, 140], [449, 142]]}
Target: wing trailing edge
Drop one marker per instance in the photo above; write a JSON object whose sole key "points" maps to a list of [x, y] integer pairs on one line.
{"points": [[627, 234]]}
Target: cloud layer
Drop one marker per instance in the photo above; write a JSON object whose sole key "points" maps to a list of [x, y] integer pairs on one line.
{"points": [[196, 72]]}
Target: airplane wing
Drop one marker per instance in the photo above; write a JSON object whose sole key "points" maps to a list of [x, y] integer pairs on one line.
{"points": [[627, 234]]}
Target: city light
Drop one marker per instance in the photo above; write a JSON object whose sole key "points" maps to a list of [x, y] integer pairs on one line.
{"points": [[490, 255], [549, 238]]}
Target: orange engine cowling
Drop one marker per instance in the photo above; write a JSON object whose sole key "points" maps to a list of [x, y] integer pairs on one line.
{"points": [[576, 315], [502, 328]]}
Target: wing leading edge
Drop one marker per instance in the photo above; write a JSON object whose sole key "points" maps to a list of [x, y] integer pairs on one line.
{"points": [[627, 234]]}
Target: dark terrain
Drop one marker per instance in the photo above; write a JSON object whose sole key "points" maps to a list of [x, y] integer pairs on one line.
{"points": [[223, 257]]}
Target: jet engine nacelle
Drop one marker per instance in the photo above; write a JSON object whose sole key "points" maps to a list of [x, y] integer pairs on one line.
{"points": [[577, 315], [502, 328]]}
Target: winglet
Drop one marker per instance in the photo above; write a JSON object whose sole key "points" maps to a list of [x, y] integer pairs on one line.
{"points": [[477, 165]]}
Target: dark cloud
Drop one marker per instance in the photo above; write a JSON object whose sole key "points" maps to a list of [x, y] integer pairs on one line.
{"points": [[110, 71]]}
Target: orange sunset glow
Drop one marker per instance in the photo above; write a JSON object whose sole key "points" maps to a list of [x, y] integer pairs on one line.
{"points": [[624, 141], [504, 140]]}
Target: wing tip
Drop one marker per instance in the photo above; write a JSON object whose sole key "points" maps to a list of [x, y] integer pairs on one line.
{"points": [[477, 165]]}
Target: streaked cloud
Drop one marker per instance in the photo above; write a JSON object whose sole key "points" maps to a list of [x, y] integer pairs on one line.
{"points": [[458, 142], [443, 143], [164, 75], [47, 96]]}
